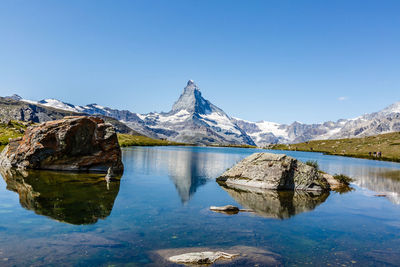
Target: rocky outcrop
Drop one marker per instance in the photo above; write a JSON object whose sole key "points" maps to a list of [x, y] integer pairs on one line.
{"points": [[277, 172], [75, 143]]}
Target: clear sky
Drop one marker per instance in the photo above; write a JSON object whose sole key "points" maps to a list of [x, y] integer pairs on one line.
{"points": [[309, 61]]}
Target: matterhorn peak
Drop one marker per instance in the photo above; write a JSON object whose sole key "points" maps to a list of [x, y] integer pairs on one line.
{"points": [[191, 100], [191, 86]]}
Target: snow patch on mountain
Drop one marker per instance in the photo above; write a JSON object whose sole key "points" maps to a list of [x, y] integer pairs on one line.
{"points": [[54, 103], [221, 121], [275, 128], [394, 108], [178, 117], [29, 101]]}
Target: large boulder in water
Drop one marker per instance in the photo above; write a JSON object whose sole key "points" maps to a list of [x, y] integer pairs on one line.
{"points": [[75, 143], [277, 172]]}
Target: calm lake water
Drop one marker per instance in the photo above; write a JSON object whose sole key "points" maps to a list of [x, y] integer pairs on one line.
{"points": [[162, 204]]}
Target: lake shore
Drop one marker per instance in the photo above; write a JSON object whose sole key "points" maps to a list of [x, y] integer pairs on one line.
{"points": [[343, 155], [383, 147]]}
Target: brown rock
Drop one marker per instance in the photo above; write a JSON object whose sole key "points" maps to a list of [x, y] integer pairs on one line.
{"points": [[228, 209], [75, 143], [334, 183]]}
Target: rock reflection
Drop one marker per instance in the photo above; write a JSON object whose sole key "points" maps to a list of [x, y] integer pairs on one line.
{"points": [[65, 197], [276, 204]]}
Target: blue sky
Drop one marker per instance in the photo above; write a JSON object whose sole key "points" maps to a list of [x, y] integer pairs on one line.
{"points": [[309, 61]]}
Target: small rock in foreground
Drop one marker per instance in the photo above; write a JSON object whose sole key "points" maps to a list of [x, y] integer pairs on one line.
{"points": [[244, 256], [228, 209], [207, 257]]}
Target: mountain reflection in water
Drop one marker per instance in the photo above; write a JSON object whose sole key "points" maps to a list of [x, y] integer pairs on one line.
{"points": [[188, 168], [276, 204], [66, 197], [382, 180]]}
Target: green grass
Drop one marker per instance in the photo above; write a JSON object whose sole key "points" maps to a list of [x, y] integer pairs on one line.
{"points": [[139, 140], [313, 163], [388, 144], [13, 129], [343, 178], [236, 146]]}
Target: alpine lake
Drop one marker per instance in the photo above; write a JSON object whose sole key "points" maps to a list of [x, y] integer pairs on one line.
{"points": [[160, 206]]}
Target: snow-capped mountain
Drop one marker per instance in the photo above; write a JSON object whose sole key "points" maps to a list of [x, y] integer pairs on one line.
{"points": [[194, 119], [264, 132], [129, 118], [384, 121]]}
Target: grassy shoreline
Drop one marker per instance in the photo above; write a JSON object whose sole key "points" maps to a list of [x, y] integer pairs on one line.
{"points": [[387, 144], [12, 129], [233, 146], [126, 140]]}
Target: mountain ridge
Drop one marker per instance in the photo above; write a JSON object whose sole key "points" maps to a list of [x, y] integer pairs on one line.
{"points": [[193, 119]]}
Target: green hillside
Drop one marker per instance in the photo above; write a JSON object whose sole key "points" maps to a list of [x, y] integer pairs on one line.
{"points": [[387, 144], [139, 140]]}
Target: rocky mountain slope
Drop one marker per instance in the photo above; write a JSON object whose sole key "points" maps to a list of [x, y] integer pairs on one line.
{"points": [[124, 117], [15, 108], [194, 119], [264, 132]]}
